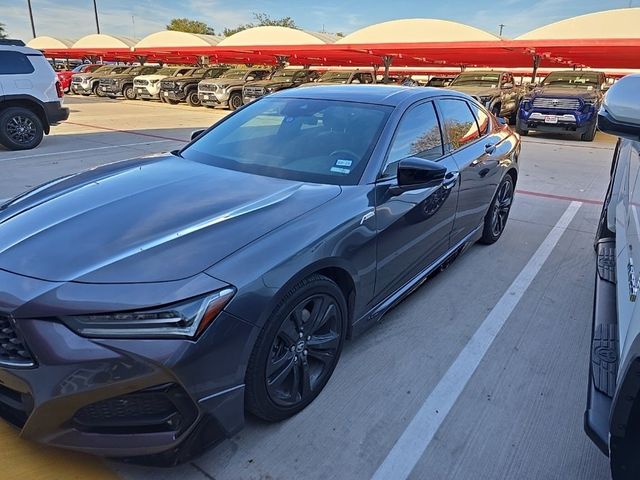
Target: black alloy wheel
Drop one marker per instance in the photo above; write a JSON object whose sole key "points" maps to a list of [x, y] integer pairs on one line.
{"points": [[498, 213], [20, 129], [297, 351]]}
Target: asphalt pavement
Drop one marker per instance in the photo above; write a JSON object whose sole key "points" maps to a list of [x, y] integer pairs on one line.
{"points": [[480, 374]]}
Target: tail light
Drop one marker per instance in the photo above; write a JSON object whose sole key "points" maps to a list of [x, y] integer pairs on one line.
{"points": [[59, 90]]}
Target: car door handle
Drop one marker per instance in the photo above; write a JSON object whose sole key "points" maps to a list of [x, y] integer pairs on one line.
{"points": [[450, 180], [489, 148]]}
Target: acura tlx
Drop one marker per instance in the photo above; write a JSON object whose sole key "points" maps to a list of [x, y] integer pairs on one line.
{"points": [[145, 305]]}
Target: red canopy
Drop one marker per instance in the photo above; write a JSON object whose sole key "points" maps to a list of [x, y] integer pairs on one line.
{"points": [[594, 53]]}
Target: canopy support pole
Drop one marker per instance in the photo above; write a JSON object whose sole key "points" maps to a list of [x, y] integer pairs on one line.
{"points": [[282, 60], [387, 60], [141, 59], [536, 65]]}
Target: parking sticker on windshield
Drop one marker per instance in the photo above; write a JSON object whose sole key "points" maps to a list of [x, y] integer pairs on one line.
{"points": [[343, 163], [346, 171]]}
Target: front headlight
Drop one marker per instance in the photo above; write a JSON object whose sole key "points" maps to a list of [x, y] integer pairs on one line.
{"points": [[187, 319], [180, 85], [270, 89]]}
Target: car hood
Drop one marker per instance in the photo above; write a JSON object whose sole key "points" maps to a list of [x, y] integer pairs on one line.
{"points": [[559, 92], [150, 77], [268, 83], [221, 81], [146, 220], [183, 78], [476, 91]]}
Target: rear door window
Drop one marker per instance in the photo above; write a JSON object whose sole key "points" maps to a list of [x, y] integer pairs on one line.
{"points": [[459, 123], [14, 63]]}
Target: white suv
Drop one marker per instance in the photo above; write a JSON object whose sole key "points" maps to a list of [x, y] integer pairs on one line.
{"points": [[612, 418], [147, 87], [30, 97]]}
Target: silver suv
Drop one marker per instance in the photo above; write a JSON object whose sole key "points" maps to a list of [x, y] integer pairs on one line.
{"points": [[612, 418], [30, 97], [226, 90]]}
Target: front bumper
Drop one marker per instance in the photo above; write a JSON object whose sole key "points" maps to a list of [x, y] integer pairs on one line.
{"points": [[173, 95], [81, 88], [156, 400], [555, 121], [145, 92], [250, 98], [112, 90], [213, 99]]}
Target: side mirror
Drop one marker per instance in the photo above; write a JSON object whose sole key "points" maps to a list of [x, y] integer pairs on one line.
{"points": [[507, 85], [416, 173], [196, 133], [620, 113], [250, 78]]}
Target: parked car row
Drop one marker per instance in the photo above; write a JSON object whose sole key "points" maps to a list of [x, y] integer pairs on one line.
{"points": [[566, 102]]}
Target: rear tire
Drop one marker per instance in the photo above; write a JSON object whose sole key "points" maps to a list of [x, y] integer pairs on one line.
{"points": [[496, 219], [98, 92], [297, 350], [235, 101], [192, 99], [20, 129]]}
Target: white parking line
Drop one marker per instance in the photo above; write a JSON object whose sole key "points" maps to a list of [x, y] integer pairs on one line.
{"points": [[86, 150], [412, 444]]}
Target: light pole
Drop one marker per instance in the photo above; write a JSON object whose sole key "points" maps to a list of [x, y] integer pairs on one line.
{"points": [[95, 11], [502, 25], [33, 27]]}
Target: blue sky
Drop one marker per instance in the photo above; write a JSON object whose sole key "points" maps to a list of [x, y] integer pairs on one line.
{"points": [[74, 18]]}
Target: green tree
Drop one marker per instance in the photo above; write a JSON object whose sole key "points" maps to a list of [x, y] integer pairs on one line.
{"points": [[3, 32], [190, 26], [261, 20]]}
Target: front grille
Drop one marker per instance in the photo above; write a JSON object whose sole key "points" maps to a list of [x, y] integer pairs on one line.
{"points": [[557, 103], [207, 87], [75, 79], [106, 82], [254, 91], [163, 408], [141, 82], [167, 85], [13, 350]]}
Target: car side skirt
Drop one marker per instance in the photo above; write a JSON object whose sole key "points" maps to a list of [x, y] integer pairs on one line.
{"points": [[378, 311]]}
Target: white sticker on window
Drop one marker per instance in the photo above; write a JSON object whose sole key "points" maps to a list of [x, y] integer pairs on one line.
{"points": [[344, 163], [346, 171]]}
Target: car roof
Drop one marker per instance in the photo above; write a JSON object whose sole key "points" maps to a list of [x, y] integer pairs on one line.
{"points": [[377, 94], [17, 48]]}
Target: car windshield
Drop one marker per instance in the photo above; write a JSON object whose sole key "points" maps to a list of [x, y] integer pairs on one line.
{"points": [[234, 74], [118, 70], [168, 71], [308, 140], [288, 75], [334, 77], [571, 79], [479, 79], [103, 69]]}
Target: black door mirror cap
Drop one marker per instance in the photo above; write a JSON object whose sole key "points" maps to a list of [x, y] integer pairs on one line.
{"points": [[196, 133], [414, 173]]}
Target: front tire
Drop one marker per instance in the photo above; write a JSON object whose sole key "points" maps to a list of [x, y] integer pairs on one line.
{"points": [[98, 92], [192, 99], [20, 129], [129, 92], [590, 134], [297, 350], [235, 101], [496, 218]]}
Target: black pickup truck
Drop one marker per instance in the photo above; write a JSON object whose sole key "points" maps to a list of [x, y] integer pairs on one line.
{"points": [[496, 90], [122, 83], [280, 80], [174, 90]]}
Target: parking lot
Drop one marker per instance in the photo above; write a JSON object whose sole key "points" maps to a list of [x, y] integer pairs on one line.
{"points": [[490, 387]]}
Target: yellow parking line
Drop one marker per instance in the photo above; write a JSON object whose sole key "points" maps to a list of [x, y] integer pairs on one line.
{"points": [[21, 459]]}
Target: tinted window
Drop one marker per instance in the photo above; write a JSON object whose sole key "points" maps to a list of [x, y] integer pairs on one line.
{"points": [[417, 135], [309, 140], [14, 63], [459, 123], [484, 123]]}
